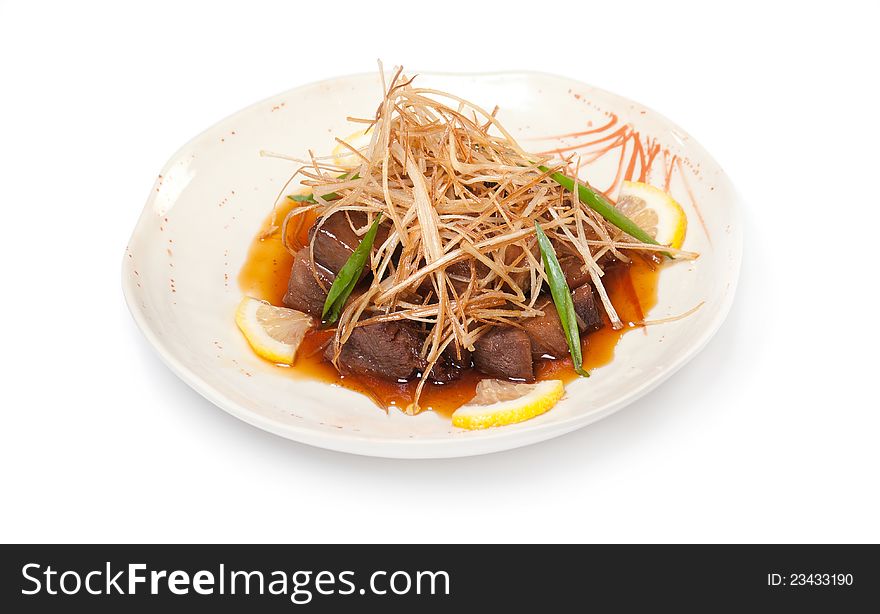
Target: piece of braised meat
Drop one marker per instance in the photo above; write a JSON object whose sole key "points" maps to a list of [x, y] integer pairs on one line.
{"points": [[450, 365], [304, 293], [546, 334], [386, 349], [335, 240], [505, 351], [572, 268], [587, 309]]}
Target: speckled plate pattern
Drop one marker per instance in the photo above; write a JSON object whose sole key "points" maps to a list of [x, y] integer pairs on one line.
{"points": [[180, 267]]}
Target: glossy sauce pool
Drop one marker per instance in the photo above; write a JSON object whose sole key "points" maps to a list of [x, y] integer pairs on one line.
{"points": [[633, 291]]}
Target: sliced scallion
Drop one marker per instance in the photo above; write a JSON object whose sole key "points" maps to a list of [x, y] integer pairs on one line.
{"points": [[302, 198], [561, 294]]}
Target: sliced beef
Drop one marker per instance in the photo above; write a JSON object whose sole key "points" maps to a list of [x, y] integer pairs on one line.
{"points": [[546, 333], [572, 268], [587, 309], [387, 349], [304, 293], [335, 240], [450, 365], [505, 351]]}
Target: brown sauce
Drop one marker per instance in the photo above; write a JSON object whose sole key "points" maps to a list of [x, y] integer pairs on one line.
{"points": [[633, 291]]}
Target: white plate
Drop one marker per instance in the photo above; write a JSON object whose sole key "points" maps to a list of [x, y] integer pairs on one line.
{"points": [[181, 265]]}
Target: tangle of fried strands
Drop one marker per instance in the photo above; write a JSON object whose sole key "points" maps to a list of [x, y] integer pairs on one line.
{"points": [[453, 186]]}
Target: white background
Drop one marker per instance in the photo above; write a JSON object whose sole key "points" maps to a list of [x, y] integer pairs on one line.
{"points": [[771, 434]]}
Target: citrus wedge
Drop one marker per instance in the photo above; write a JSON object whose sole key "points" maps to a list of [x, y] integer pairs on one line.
{"points": [[499, 402], [655, 211], [275, 333], [345, 157]]}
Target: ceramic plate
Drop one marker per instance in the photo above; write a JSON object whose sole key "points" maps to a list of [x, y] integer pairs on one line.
{"points": [[181, 265]]}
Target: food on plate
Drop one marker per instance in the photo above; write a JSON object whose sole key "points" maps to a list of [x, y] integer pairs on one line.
{"points": [[498, 402], [653, 210], [430, 254], [275, 333]]}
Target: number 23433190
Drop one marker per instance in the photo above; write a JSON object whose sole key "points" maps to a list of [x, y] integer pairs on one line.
{"points": [[809, 579]]}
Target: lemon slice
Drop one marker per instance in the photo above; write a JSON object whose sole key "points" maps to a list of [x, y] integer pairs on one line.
{"points": [[654, 211], [343, 156], [274, 332], [498, 402]]}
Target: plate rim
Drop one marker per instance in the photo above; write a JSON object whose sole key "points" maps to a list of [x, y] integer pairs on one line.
{"points": [[490, 440]]}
